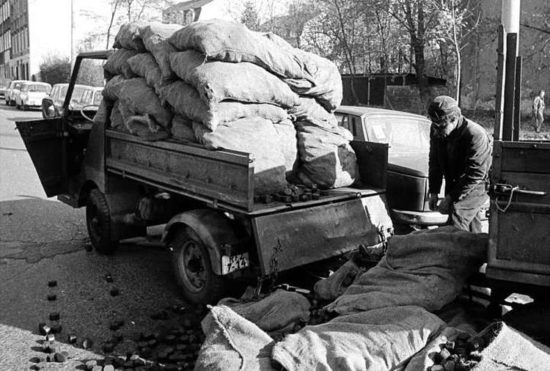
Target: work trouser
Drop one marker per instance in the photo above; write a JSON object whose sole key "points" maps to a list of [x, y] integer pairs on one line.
{"points": [[539, 119], [465, 213]]}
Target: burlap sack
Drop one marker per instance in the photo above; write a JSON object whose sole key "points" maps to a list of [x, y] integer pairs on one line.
{"points": [[232, 42], [424, 268], [154, 36], [117, 63], [311, 112], [279, 311], [326, 157], [333, 286], [380, 339], [289, 144], [504, 349], [111, 91], [233, 344], [182, 129], [142, 100], [185, 100], [144, 65], [128, 37], [219, 81], [258, 137], [115, 118]]}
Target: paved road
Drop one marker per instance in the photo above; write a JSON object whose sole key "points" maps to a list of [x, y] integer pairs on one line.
{"points": [[42, 240]]}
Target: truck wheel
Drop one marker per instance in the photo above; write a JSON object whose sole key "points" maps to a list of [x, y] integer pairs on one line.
{"points": [[98, 221], [193, 271]]}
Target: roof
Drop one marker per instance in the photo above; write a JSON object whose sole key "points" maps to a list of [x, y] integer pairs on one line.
{"points": [[372, 111]]}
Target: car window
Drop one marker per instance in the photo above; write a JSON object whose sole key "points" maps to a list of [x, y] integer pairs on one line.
{"points": [[343, 120], [404, 135], [24, 88], [17, 85], [38, 88]]}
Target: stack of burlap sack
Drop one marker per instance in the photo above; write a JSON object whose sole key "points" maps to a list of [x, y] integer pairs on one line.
{"points": [[219, 84]]}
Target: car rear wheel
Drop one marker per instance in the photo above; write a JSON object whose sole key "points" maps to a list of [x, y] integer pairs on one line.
{"points": [[98, 221]]}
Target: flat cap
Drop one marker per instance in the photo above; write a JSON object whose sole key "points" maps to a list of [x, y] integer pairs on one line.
{"points": [[442, 106]]}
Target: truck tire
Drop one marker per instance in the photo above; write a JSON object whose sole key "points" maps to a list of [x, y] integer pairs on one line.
{"points": [[193, 270], [98, 221]]}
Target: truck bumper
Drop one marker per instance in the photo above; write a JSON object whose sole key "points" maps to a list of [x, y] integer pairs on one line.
{"points": [[420, 218]]}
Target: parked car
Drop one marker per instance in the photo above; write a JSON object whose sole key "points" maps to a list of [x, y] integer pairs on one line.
{"points": [[12, 89], [408, 136], [83, 96], [3, 89], [31, 94]]}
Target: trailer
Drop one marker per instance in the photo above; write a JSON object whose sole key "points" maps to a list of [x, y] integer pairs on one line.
{"points": [[216, 230]]}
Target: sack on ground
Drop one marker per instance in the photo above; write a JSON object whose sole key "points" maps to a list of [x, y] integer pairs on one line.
{"points": [[243, 82], [326, 157], [154, 36], [233, 344], [380, 339], [279, 311], [334, 285], [501, 348], [144, 65], [232, 42], [185, 100], [117, 63], [111, 91], [142, 100], [128, 37], [182, 129], [311, 112], [258, 137], [424, 268]]}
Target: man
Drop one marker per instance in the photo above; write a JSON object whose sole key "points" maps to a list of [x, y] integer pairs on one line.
{"points": [[460, 151], [538, 111]]}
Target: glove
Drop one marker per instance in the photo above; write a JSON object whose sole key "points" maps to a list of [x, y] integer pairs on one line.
{"points": [[432, 203], [445, 205]]}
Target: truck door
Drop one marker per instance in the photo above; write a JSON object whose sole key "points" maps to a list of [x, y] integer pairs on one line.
{"points": [[46, 143], [519, 228]]}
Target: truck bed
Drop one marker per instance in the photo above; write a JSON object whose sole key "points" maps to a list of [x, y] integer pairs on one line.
{"points": [[223, 178]]}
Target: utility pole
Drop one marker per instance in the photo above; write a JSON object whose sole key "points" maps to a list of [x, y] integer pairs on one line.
{"points": [[509, 74]]}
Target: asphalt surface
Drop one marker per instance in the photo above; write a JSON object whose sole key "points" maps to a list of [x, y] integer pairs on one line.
{"points": [[43, 240]]}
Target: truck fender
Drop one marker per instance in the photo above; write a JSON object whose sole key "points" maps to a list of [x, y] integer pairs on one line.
{"points": [[213, 228]]}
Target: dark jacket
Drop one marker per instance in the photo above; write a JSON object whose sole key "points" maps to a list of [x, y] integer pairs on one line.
{"points": [[463, 158]]}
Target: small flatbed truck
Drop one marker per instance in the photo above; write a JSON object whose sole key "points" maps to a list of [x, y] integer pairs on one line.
{"points": [[214, 228]]}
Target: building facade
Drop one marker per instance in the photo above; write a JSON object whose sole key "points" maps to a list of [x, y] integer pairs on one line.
{"points": [[14, 40]]}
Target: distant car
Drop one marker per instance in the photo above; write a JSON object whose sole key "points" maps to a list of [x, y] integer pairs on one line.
{"points": [[3, 89], [83, 96], [13, 88], [408, 136], [30, 95]]}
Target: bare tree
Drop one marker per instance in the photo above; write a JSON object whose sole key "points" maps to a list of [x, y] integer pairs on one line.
{"points": [[412, 16], [456, 21]]}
